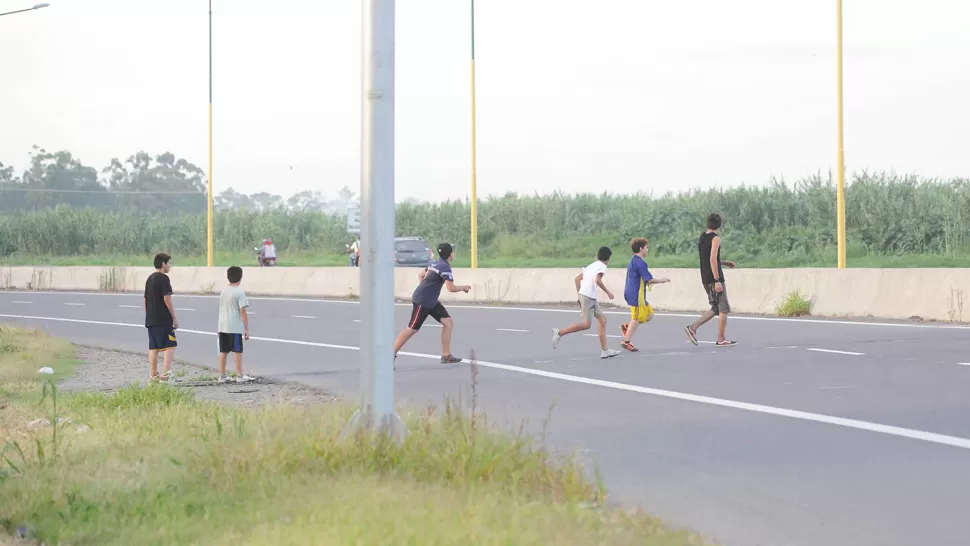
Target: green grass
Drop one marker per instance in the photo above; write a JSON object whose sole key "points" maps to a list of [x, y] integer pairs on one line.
{"points": [[159, 467], [794, 305]]}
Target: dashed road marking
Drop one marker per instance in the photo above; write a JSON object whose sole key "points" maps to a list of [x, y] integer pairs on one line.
{"points": [[130, 306], [610, 336], [75, 304], [850, 353], [511, 330], [302, 316], [20, 301]]}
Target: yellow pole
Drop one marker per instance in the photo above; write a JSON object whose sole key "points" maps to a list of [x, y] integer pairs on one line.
{"points": [[840, 192], [209, 199], [474, 249]]}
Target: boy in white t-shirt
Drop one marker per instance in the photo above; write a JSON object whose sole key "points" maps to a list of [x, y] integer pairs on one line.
{"points": [[586, 283], [233, 325]]}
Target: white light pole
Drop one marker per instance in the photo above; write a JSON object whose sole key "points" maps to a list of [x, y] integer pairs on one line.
{"points": [[377, 221]]}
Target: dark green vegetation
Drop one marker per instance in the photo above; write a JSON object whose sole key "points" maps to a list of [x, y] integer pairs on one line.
{"points": [[893, 221]]}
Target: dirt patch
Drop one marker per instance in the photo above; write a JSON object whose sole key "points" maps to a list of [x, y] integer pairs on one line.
{"points": [[105, 370]]}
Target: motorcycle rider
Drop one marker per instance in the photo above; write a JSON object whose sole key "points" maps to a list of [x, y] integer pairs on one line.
{"points": [[267, 251], [354, 251]]}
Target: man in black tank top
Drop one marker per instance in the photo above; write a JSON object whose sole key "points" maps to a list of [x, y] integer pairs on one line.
{"points": [[712, 277]]}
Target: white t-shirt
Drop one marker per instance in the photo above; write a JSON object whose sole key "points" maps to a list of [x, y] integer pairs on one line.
{"points": [[587, 287], [231, 300], [270, 251]]}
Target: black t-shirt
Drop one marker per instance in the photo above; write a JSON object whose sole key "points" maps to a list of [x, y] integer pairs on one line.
{"points": [[704, 249], [157, 287]]}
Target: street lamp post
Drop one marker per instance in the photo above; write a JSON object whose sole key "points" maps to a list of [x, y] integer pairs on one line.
{"points": [[840, 154], [210, 197], [474, 196], [36, 7], [378, 221]]}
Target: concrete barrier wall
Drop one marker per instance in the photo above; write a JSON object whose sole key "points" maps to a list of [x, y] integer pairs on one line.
{"points": [[931, 294]]}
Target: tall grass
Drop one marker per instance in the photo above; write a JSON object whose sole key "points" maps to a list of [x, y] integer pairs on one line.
{"points": [[887, 215]]}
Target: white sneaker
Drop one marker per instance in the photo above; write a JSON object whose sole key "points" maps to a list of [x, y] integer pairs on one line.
{"points": [[609, 353], [225, 379], [245, 378], [555, 337]]}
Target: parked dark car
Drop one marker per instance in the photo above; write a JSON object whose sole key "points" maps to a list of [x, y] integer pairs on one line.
{"points": [[412, 252]]}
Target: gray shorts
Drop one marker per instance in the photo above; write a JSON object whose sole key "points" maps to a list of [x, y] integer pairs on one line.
{"points": [[718, 300], [589, 308]]}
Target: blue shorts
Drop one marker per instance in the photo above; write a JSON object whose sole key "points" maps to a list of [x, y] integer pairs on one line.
{"points": [[161, 338], [230, 343]]}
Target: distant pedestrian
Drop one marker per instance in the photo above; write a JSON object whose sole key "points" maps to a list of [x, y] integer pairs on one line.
{"points": [[586, 282], [424, 303], [638, 283], [712, 276], [233, 325], [160, 319]]}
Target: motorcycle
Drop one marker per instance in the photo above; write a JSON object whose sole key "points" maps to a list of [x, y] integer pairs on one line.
{"points": [[264, 262], [354, 258]]}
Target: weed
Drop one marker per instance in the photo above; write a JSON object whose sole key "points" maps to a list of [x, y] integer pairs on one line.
{"points": [[794, 305]]}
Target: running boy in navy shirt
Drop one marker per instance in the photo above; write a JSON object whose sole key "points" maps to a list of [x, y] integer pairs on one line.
{"points": [[638, 280], [424, 303]]}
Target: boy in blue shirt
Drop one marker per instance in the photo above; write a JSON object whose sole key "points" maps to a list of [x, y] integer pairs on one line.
{"points": [[638, 281]]}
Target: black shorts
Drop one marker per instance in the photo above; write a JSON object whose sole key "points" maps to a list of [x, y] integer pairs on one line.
{"points": [[230, 343], [718, 300], [161, 338], [420, 312]]}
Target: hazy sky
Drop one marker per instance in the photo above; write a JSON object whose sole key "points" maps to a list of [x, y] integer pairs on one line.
{"points": [[618, 95]]}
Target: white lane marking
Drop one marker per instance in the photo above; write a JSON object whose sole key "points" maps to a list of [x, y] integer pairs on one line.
{"points": [[19, 301], [783, 347], [931, 437], [607, 335], [302, 316], [130, 306], [832, 388], [850, 353], [532, 309], [185, 309], [356, 320], [511, 330], [75, 304], [542, 362], [963, 363]]}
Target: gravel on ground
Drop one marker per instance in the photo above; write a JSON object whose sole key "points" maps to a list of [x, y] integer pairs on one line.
{"points": [[106, 370]]}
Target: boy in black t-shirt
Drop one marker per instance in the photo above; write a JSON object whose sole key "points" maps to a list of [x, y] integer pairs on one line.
{"points": [[160, 318], [712, 276]]}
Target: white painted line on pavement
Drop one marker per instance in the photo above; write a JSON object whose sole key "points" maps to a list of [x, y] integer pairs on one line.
{"points": [[511, 330], [931, 437], [963, 363], [850, 353], [356, 320], [302, 316], [783, 347], [130, 306], [611, 336], [185, 309], [528, 309], [75, 304], [19, 301]]}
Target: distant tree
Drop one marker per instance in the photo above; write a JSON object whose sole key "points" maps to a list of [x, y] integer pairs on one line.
{"points": [[230, 199], [306, 201], [59, 178], [162, 183]]}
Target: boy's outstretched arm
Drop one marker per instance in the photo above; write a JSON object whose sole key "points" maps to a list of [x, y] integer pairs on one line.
{"points": [[579, 280]]}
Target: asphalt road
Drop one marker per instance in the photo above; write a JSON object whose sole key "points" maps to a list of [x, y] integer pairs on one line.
{"points": [[807, 432]]}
